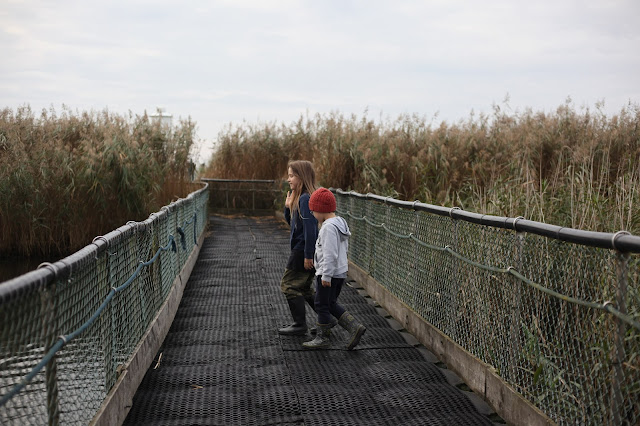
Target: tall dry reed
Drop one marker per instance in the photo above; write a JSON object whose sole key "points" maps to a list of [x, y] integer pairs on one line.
{"points": [[571, 168], [66, 178]]}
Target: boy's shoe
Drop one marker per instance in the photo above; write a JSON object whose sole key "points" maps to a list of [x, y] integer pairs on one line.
{"points": [[322, 340], [313, 330], [355, 329]]}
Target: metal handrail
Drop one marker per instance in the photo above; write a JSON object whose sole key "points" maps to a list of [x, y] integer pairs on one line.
{"points": [[620, 241]]}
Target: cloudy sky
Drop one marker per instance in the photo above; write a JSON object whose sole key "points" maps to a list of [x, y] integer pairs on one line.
{"points": [[223, 62]]}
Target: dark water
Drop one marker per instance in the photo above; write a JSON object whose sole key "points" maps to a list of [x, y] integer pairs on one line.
{"points": [[13, 267]]}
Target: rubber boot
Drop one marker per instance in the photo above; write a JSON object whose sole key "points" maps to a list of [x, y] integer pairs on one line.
{"points": [[333, 323], [355, 329], [311, 301], [322, 340], [299, 326]]}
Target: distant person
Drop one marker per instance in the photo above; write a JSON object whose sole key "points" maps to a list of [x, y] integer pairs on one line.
{"points": [[296, 284], [331, 266]]}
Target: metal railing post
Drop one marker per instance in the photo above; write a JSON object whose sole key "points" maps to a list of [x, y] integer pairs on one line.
{"points": [[514, 349], [384, 269], [454, 286], [106, 324], [226, 187], [370, 237], [414, 270], [50, 332], [617, 403], [253, 196]]}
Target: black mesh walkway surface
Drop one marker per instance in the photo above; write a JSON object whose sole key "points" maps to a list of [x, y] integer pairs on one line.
{"points": [[224, 363]]}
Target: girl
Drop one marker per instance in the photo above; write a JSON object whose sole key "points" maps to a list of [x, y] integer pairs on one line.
{"points": [[298, 275]]}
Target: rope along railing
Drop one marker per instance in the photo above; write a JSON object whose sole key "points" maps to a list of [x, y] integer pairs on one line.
{"points": [[555, 311], [69, 327]]}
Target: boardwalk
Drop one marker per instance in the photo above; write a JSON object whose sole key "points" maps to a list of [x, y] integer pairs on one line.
{"points": [[224, 363]]}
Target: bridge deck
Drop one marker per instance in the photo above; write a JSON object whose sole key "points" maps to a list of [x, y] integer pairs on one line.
{"points": [[223, 361]]}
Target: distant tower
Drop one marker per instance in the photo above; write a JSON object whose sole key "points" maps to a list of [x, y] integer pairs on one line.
{"points": [[162, 117]]}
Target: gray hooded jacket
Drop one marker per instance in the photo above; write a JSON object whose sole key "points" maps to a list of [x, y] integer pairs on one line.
{"points": [[330, 259]]}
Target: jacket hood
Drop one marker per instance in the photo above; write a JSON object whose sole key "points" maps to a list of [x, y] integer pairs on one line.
{"points": [[340, 224]]}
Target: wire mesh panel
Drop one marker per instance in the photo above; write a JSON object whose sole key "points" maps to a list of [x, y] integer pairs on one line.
{"points": [[67, 328], [229, 196], [568, 351], [558, 321]]}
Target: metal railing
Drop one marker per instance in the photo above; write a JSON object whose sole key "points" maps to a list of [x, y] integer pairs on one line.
{"points": [[244, 195], [68, 328], [556, 311]]}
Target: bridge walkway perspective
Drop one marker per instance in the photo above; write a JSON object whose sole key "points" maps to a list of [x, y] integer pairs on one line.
{"points": [[223, 361]]}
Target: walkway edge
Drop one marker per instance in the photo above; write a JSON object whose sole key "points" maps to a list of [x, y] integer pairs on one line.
{"points": [[479, 376], [116, 405]]}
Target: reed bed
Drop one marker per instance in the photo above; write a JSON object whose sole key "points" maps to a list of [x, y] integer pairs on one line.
{"points": [[67, 177], [574, 168]]}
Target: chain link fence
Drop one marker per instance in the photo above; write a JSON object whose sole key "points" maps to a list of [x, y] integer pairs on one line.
{"points": [[68, 328], [555, 311], [251, 196]]}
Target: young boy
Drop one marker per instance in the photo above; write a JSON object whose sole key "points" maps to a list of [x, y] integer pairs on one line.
{"points": [[330, 261]]}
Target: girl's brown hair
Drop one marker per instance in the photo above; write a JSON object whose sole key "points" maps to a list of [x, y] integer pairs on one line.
{"points": [[304, 170]]}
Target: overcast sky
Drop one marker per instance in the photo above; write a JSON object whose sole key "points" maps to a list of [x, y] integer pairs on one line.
{"points": [[262, 60]]}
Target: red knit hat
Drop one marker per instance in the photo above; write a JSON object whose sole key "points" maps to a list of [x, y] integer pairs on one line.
{"points": [[322, 201]]}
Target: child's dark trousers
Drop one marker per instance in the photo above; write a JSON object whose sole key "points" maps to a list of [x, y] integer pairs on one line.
{"points": [[326, 300]]}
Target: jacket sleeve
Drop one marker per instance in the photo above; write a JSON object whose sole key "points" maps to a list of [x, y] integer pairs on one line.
{"points": [[330, 252], [287, 215], [309, 227]]}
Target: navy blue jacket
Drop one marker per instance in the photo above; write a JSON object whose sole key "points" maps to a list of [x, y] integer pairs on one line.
{"points": [[304, 230]]}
